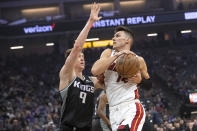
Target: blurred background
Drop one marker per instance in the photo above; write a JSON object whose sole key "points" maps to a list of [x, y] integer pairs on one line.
{"points": [[35, 33]]}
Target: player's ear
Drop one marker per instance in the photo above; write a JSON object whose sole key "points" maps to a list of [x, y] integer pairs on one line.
{"points": [[128, 40]]}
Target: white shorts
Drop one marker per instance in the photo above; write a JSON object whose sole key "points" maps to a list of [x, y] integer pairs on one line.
{"points": [[128, 113]]}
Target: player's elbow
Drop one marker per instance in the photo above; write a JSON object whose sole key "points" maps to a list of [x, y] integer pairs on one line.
{"points": [[95, 71], [77, 46]]}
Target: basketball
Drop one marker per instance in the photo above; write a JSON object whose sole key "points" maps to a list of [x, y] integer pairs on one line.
{"points": [[127, 65]]}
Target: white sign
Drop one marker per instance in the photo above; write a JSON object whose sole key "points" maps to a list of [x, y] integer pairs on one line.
{"points": [[140, 20], [190, 15], [124, 21], [109, 23]]}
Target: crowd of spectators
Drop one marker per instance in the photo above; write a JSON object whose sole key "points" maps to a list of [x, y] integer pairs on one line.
{"points": [[160, 116], [175, 64], [29, 99], [29, 87]]}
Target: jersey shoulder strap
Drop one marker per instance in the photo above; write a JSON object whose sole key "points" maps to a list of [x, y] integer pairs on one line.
{"points": [[88, 79], [113, 52]]}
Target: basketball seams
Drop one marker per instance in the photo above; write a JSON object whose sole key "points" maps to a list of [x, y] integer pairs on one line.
{"points": [[119, 62], [132, 67], [127, 65], [124, 65]]}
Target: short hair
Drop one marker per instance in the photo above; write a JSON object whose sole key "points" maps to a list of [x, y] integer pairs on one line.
{"points": [[68, 51], [124, 28]]}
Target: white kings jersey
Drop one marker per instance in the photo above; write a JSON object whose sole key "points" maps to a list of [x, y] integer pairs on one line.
{"points": [[118, 89]]}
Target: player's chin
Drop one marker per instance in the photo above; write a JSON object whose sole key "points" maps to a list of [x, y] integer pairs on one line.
{"points": [[115, 47], [82, 66]]}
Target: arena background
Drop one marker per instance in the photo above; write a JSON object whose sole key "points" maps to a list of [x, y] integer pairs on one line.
{"points": [[35, 33]]}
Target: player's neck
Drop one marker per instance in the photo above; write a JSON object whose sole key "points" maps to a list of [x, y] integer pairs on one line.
{"points": [[123, 48], [79, 74]]}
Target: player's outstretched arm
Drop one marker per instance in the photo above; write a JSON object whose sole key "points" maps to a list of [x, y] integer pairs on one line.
{"points": [[67, 73], [95, 9]]}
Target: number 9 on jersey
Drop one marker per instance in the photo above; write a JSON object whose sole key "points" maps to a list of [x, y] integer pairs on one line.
{"points": [[83, 96]]}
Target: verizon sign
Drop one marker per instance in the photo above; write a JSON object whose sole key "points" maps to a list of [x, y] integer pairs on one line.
{"points": [[39, 29]]}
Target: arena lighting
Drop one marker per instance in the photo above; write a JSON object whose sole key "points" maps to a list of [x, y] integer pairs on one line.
{"points": [[16, 47], [92, 39], [39, 10], [18, 22], [103, 5], [2, 21], [87, 45], [49, 44], [151, 35], [128, 3], [194, 112], [98, 43], [102, 43], [186, 31]]}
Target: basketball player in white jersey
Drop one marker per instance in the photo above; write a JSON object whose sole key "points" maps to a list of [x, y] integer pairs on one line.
{"points": [[126, 111]]}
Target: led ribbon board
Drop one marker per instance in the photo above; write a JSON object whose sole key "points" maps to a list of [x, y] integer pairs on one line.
{"points": [[141, 20], [124, 21], [158, 18]]}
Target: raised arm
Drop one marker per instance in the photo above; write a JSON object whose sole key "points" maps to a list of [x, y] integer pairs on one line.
{"points": [[95, 8], [67, 72]]}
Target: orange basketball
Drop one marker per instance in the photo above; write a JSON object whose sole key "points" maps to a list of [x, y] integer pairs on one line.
{"points": [[127, 65]]}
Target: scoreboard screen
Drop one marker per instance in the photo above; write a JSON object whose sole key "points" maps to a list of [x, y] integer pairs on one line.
{"points": [[193, 97]]}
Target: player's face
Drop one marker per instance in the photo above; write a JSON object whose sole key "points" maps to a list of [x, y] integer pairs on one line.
{"points": [[119, 40], [80, 61]]}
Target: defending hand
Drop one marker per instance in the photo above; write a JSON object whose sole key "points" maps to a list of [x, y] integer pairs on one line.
{"points": [[95, 9]]}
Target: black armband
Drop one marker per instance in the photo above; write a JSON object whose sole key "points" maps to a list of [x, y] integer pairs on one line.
{"points": [[146, 84]]}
